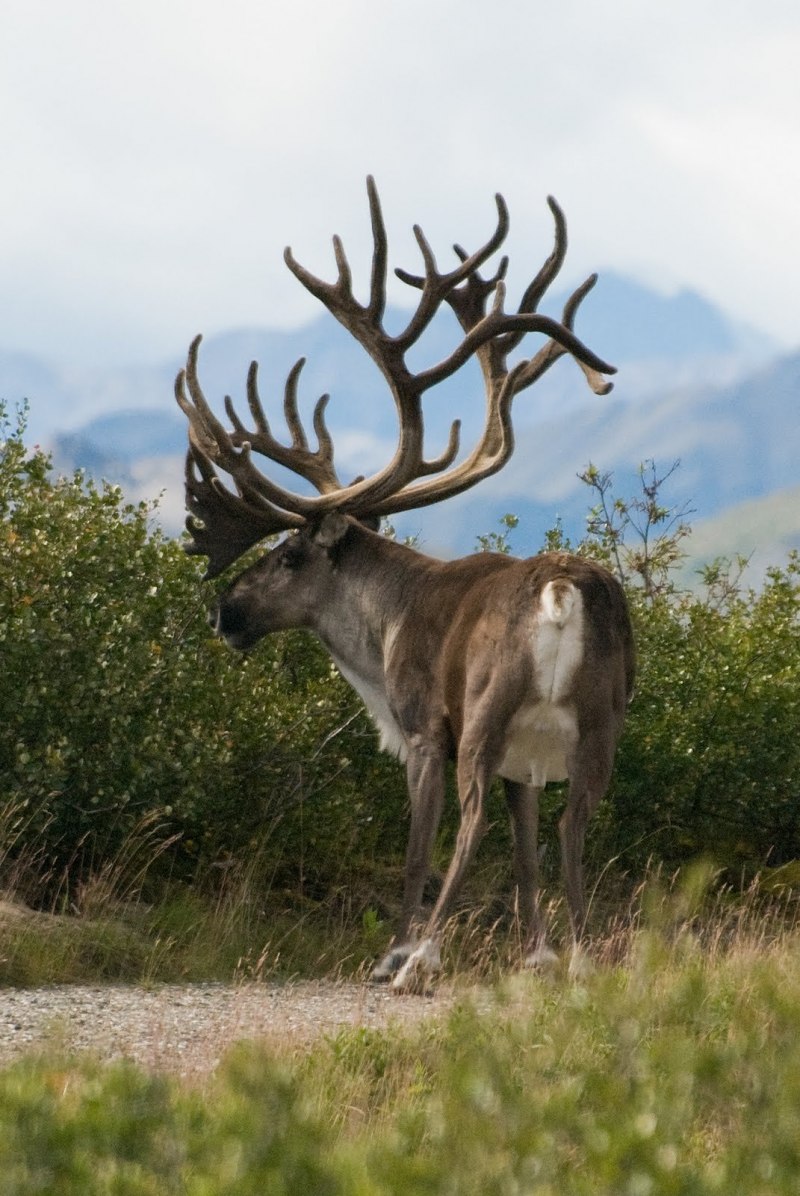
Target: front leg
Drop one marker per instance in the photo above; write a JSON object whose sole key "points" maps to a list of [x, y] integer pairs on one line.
{"points": [[474, 777], [425, 770]]}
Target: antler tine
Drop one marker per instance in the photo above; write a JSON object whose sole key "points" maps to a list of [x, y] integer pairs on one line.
{"points": [[498, 321], [324, 439], [551, 267], [204, 427], [338, 297], [600, 385], [479, 285], [363, 322], [232, 452], [446, 459], [576, 298], [324, 291], [290, 412], [254, 399], [556, 346], [468, 300], [377, 290], [206, 433], [549, 270], [492, 336], [262, 506], [437, 287], [316, 466], [345, 282], [555, 349]]}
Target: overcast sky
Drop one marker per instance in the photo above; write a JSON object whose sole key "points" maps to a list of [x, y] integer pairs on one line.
{"points": [[157, 156]]}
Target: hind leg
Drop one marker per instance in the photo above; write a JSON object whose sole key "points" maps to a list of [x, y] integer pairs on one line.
{"points": [[426, 786], [589, 778], [523, 808]]}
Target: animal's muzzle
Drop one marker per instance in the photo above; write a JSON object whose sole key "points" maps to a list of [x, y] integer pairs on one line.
{"points": [[230, 621]]}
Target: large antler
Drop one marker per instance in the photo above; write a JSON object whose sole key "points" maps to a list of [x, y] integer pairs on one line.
{"points": [[223, 525]]}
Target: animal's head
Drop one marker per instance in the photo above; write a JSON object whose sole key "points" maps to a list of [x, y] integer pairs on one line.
{"points": [[287, 586]]}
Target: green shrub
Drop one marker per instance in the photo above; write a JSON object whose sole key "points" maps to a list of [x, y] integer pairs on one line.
{"points": [[119, 711], [122, 720], [118, 1130], [710, 762]]}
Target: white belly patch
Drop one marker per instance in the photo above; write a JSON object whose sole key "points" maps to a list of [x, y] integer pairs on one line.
{"points": [[540, 739]]}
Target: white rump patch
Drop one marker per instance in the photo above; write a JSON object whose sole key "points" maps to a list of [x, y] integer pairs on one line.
{"points": [[542, 733], [558, 639]]}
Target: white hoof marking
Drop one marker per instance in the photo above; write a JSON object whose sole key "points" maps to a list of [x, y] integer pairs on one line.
{"points": [[423, 962], [391, 963], [542, 959]]}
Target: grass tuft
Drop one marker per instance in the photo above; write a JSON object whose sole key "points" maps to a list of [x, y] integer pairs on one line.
{"points": [[675, 1069]]}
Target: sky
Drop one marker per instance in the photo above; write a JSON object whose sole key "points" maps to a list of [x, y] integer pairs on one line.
{"points": [[158, 155]]}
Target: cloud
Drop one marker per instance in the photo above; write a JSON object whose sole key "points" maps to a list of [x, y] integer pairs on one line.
{"points": [[158, 157]]}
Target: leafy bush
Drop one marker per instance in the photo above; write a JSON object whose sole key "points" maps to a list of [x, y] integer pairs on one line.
{"points": [[119, 711], [119, 1130], [710, 761], [122, 717]]}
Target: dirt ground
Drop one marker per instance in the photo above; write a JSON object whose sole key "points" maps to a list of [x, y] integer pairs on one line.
{"points": [[187, 1029]]}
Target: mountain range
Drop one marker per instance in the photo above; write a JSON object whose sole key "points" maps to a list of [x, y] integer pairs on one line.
{"points": [[693, 386]]}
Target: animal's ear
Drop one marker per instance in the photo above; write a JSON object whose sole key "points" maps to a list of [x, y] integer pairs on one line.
{"points": [[332, 528], [373, 522]]}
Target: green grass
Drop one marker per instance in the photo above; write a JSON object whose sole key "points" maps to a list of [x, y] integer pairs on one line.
{"points": [[127, 922], [185, 936], [675, 1070]]}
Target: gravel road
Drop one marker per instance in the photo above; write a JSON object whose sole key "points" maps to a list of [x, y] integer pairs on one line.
{"points": [[186, 1029]]}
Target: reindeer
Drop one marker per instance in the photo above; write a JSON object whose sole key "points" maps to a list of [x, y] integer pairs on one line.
{"points": [[518, 669]]}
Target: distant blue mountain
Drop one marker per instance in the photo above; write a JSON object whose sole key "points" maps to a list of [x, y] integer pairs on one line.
{"points": [[692, 384], [734, 443], [124, 436], [636, 324]]}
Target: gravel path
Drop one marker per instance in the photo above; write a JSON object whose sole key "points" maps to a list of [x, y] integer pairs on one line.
{"points": [[186, 1029]]}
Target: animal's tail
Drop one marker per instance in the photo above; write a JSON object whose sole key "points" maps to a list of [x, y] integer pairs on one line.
{"points": [[558, 601]]}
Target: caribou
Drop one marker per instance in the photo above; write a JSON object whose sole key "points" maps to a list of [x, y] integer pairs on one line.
{"points": [[517, 669]]}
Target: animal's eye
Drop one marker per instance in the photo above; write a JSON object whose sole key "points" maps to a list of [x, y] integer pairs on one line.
{"points": [[292, 558]]}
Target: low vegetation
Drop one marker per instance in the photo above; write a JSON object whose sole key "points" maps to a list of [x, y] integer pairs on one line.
{"points": [[169, 813], [673, 1071], [145, 771]]}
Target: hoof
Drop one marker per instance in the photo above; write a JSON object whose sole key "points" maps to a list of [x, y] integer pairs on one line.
{"points": [[542, 959], [581, 965], [415, 975], [391, 964]]}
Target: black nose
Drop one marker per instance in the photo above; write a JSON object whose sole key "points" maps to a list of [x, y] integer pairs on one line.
{"points": [[228, 619]]}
